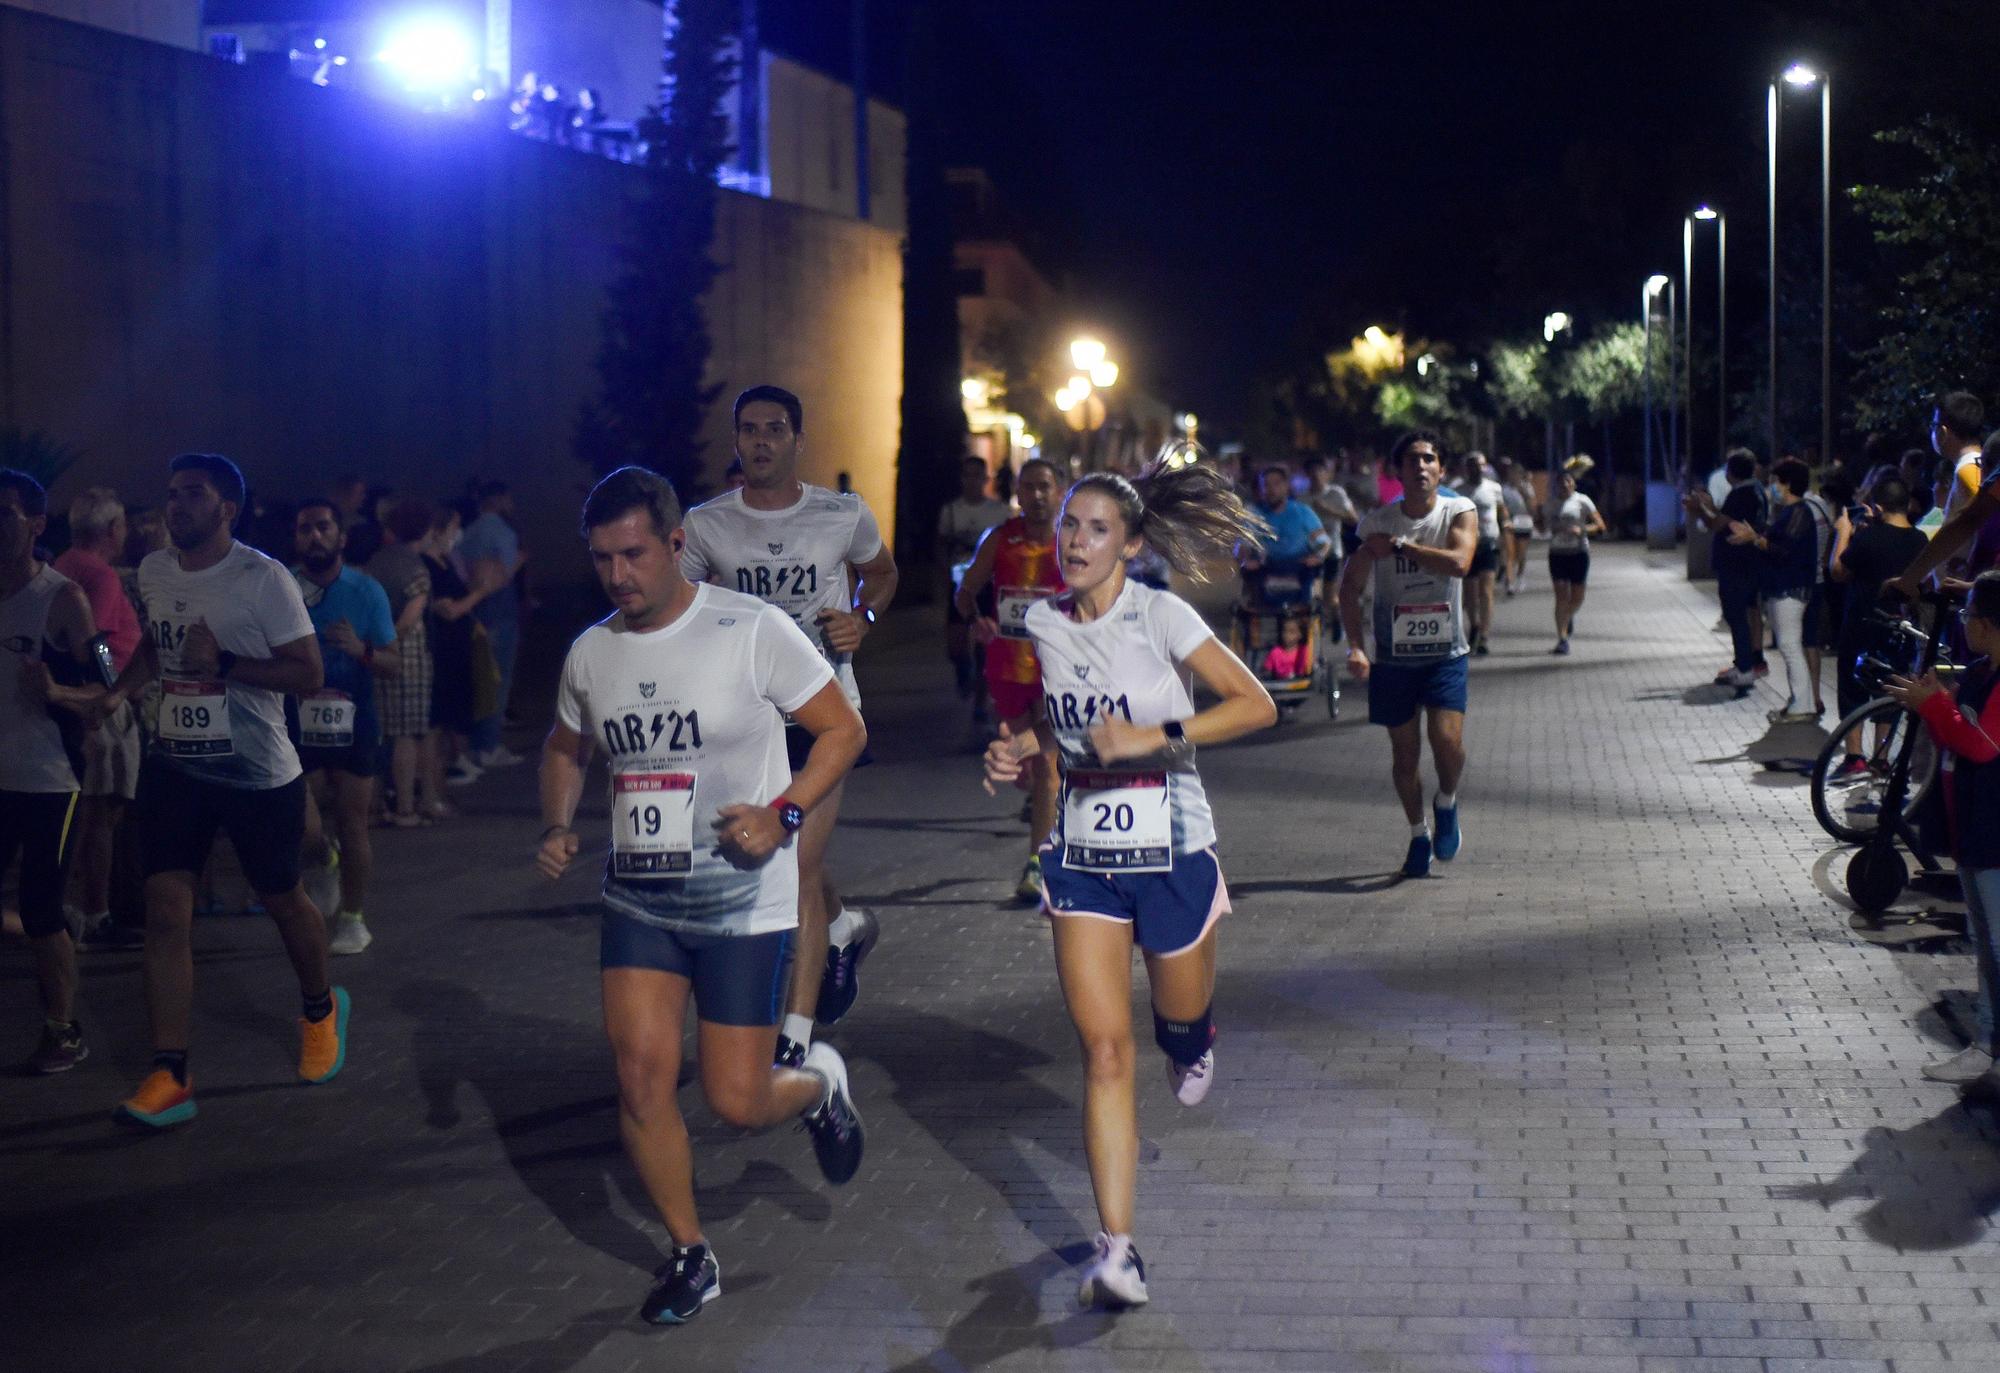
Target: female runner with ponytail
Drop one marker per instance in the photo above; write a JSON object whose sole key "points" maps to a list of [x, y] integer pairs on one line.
{"points": [[1132, 856]]}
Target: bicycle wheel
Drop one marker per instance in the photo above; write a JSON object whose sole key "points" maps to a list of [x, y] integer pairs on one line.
{"points": [[1847, 800]]}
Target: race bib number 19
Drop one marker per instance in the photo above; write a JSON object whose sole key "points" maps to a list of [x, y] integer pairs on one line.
{"points": [[194, 718], [1421, 631], [1117, 822], [652, 824]]}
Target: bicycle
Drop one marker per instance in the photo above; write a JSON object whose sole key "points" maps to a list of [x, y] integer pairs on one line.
{"points": [[1847, 800], [1877, 873]]}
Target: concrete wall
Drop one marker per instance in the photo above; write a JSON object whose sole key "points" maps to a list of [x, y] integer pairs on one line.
{"points": [[809, 145], [196, 256], [177, 22]]}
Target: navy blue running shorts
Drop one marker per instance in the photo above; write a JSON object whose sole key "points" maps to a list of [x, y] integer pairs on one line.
{"points": [[738, 979], [1397, 691], [1169, 911]]}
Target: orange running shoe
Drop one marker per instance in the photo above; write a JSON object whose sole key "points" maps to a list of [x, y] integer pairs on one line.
{"points": [[160, 1101], [323, 1043]]}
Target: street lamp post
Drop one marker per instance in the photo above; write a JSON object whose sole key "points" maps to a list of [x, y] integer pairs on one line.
{"points": [[1554, 324], [1096, 372], [1799, 75], [1654, 285], [1706, 214]]}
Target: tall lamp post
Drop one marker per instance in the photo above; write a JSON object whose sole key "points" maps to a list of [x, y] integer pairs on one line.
{"points": [[1096, 372], [1655, 284], [1554, 325], [1706, 214], [1799, 76]]}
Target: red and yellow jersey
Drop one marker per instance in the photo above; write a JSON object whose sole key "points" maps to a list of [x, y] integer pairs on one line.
{"points": [[1025, 570]]}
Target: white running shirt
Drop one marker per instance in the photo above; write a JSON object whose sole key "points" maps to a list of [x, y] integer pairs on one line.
{"points": [[1419, 615], [32, 755], [795, 559], [252, 605], [1127, 663], [1567, 517], [1487, 498], [690, 718]]}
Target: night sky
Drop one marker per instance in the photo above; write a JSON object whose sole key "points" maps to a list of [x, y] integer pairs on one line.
{"points": [[1229, 186]]}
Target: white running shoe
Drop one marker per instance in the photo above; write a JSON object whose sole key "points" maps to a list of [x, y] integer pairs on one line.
{"points": [[1115, 1277], [322, 883], [1191, 1083], [350, 935], [464, 772], [499, 756]]}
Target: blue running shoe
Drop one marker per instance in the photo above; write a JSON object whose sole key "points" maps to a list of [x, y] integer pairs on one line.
{"points": [[1448, 835], [1418, 863], [685, 1283]]}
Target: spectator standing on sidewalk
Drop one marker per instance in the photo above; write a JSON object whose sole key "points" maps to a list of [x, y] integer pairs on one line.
{"points": [[1872, 542], [1790, 548], [492, 554], [406, 697], [111, 749], [1738, 567]]}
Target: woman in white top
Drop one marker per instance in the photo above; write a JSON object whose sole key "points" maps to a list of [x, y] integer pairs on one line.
{"points": [[1571, 518], [1132, 856]]}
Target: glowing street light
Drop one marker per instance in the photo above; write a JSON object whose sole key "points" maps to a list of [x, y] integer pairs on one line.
{"points": [[1104, 375], [1554, 323], [1086, 353], [1799, 76], [430, 52], [1705, 213], [975, 390], [1065, 399]]}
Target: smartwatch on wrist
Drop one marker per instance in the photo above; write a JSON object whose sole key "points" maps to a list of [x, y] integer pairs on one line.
{"points": [[1175, 731], [867, 614], [789, 814]]}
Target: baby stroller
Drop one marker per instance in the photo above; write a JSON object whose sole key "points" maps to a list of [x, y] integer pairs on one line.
{"points": [[1278, 628]]}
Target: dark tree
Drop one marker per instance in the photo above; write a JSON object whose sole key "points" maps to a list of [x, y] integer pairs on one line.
{"points": [[1941, 232], [654, 354], [933, 426]]}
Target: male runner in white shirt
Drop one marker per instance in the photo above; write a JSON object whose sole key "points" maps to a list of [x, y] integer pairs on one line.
{"points": [[794, 546]]}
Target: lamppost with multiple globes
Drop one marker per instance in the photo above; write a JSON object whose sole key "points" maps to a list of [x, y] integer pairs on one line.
{"points": [[1081, 400]]}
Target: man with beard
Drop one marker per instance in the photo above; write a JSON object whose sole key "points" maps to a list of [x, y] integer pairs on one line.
{"points": [[795, 546], [339, 729], [228, 634]]}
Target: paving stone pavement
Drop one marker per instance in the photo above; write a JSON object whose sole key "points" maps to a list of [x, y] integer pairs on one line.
{"points": [[1618, 1092]]}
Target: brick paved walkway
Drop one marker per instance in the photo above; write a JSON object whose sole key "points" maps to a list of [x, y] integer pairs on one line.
{"points": [[1619, 1091]]}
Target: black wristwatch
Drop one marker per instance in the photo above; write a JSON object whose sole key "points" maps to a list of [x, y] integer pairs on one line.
{"points": [[867, 614], [1175, 731], [789, 814]]}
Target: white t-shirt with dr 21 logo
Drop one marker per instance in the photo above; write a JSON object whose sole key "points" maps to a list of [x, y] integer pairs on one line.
{"points": [[795, 559], [690, 716], [226, 733], [1127, 663], [1419, 614]]}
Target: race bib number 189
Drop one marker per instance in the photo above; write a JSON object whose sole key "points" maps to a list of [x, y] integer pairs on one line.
{"points": [[652, 824], [1117, 822], [194, 718]]}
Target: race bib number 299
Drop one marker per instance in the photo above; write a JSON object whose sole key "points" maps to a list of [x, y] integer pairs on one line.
{"points": [[1421, 631]]}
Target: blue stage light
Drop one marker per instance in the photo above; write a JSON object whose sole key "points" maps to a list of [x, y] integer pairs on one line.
{"points": [[429, 53]]}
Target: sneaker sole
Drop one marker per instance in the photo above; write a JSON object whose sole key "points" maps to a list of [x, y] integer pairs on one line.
{"points": [[341, 1005], [39, 1070], [351, 948], [1099, 1296], [669, 1318], [159, 1120]]}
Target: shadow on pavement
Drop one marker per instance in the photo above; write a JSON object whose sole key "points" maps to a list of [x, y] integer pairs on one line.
{"points": [[1930, 1187], [1360, 884], [564, 1148], [1010, 1300]]}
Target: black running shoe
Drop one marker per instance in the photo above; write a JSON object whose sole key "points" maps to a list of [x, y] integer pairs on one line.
{"points": [[834, 1124], [791, 1053], [688, 1281], [841, 982]]}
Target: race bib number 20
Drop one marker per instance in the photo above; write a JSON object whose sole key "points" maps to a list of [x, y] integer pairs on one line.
{"points": [[1117, 822]]}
